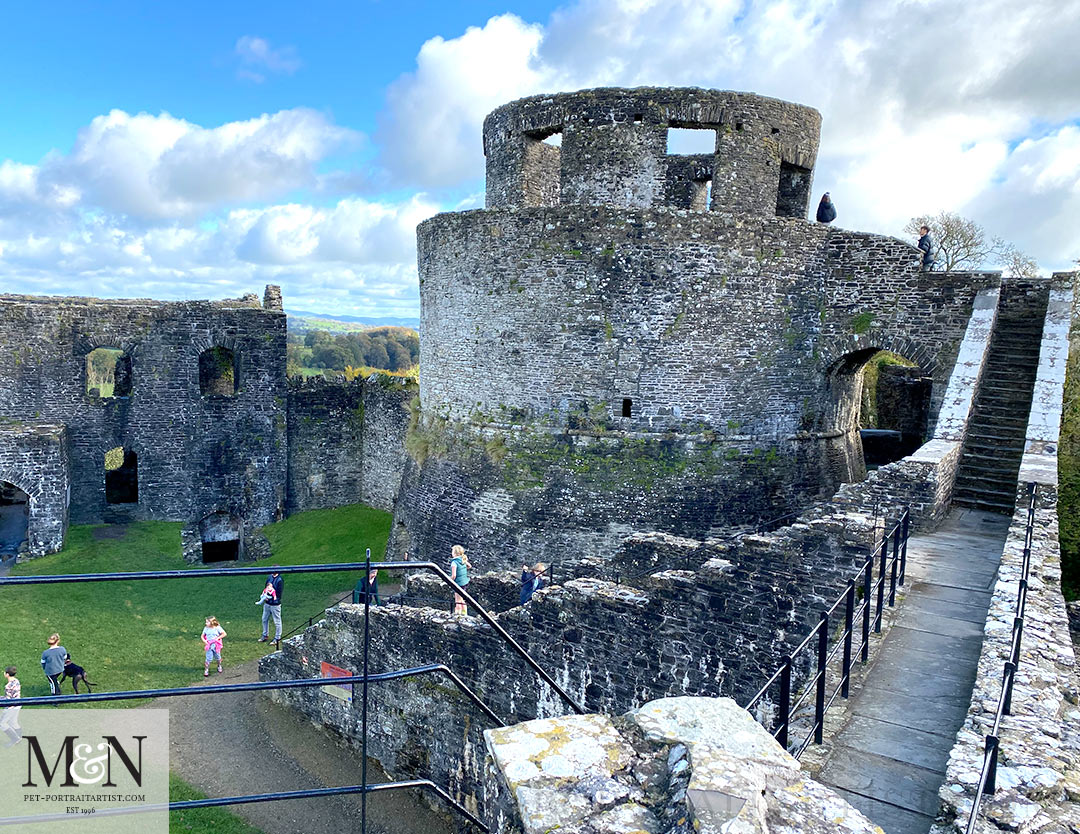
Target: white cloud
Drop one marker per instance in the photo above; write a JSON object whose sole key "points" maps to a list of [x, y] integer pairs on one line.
{"points": [[157, 167], [156, 206], [922, 102], [257, 57]]}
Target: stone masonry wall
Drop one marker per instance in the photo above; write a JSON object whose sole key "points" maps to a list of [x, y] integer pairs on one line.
{"points": [[698, 318], [702, 631], [34, 458], [614, 149], [346, 441], [196, 453]]}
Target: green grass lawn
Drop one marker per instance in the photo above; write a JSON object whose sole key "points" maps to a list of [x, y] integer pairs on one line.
{"points": [[202, 820], [142, 635]]}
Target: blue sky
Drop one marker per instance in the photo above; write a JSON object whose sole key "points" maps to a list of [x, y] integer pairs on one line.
{"points": [[202, 150]]}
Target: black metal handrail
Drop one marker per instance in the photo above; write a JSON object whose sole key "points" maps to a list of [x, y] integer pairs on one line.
{"points": [[248, 799], [892, 571], [129, 576], [988, 774], [257, 686], [364, 679], [311, 620]]}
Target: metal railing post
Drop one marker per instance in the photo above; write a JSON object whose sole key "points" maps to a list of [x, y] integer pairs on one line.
{"points": [[881, 583], [822, 659], [785, 701], [1007, 682], [905, 532], [892, 570], [364, 713], [868, 582], [849, 627], [991, 775]]}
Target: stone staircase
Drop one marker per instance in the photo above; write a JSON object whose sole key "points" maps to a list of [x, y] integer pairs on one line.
{"points": [[996, 433]]}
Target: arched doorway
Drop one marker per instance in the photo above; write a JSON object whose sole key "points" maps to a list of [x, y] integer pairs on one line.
{"points": [[221, 536], [880, 401], [14, 520]]}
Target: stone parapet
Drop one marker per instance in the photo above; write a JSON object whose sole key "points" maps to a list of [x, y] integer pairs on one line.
{"points": [[675, 765], [1038, 776]]}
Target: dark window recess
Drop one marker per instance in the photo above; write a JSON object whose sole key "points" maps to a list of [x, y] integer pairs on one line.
{"points": [[217, 372], [793, 194], [14, 518], [121, 476], [627, 406], [108, 373], [225, 551]]}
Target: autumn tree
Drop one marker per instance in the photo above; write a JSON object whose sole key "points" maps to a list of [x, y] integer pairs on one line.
{"points": [[962, 244]]}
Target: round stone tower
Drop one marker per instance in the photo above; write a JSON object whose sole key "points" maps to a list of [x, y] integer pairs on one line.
{"points": [[626, 339]]}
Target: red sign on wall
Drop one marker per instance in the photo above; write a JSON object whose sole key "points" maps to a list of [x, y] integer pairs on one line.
{"points": [[339, 690]]}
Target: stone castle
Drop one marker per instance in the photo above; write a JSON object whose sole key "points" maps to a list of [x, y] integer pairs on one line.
{"points": [[197, 423], [644, 368], [605, 352]]}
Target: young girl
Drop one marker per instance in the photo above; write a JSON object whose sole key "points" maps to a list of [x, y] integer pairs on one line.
{"points": [[212, 637], [459, 572]]}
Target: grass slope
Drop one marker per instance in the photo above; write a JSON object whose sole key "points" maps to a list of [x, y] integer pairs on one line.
{"points": [[202, 820], [142, 635]]}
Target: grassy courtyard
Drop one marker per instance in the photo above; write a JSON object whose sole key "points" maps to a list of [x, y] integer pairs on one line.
{"points": [[140, 635]]}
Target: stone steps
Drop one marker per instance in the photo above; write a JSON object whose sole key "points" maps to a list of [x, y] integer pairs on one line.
{"points": [[998, 427]]}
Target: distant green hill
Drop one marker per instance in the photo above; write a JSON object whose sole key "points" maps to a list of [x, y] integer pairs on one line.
{"points": [[302, 321]]}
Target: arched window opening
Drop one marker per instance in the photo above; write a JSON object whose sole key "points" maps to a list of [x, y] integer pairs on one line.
{"points": [[220, 534], [218, 375], [108, 373], [881, 400], [894, 408], [14, 519], [121, 476]]}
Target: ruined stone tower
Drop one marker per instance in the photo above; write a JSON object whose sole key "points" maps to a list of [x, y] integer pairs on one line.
{"points": [[626, 339]]}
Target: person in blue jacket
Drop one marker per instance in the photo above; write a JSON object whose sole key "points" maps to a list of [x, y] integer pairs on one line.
{"points": [[532, 580]]}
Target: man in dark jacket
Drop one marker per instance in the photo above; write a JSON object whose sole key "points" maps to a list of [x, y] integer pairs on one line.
{"points": [[826, 211], [272, 607], [367, 587], [926, 244]]}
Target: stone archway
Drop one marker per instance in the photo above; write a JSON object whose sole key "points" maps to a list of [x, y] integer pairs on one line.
{"points": [[907, 424], [14, 520]]}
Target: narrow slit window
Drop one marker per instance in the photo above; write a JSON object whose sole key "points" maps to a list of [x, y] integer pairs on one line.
{"points": [[627, 407]]}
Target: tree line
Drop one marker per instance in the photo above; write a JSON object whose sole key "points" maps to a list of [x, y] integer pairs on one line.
{"points": [[385, 348]]}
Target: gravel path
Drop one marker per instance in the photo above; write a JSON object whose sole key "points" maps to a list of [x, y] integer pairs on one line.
{"points": [[243, 743]]}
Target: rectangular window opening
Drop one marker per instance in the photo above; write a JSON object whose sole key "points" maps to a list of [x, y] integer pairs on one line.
{"points": [[793, 191], [223, 551], [627, 406], [687, 141]]}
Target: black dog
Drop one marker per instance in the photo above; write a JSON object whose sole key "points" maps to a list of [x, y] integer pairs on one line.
{"points": [[76, 673]]}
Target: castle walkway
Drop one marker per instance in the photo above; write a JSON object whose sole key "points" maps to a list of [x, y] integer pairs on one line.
{"points": [[889, 758]]}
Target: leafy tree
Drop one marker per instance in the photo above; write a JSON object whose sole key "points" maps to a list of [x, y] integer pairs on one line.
{"points": [[962, 244], [331, 356]]}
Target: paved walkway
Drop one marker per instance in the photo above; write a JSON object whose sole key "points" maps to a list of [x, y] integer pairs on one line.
{"points": [[889, 758]]}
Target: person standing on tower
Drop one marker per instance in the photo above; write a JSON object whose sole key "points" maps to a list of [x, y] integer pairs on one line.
{"points": [[826, 210]]}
